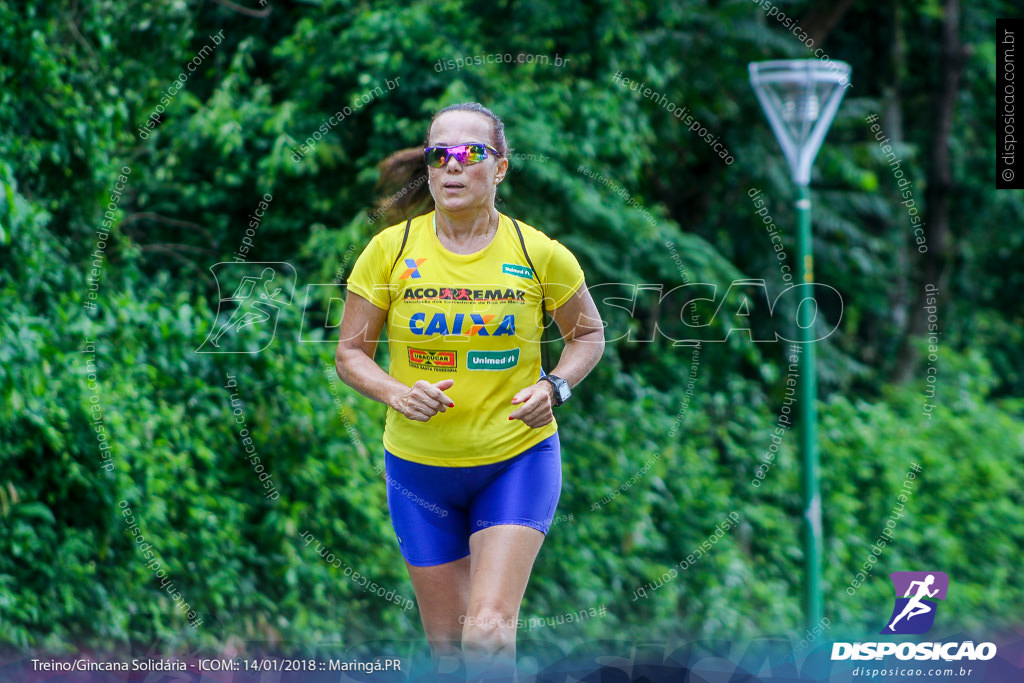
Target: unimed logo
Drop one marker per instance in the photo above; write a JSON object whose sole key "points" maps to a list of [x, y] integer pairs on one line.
{"points": [[913, 613], [492, 360]]}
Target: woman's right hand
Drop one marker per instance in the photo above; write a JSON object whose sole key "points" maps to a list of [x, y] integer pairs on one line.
{"points": [[424, 400]]}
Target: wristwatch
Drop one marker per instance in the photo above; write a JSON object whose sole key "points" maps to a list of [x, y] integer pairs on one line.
{"points": [[562, 390]]}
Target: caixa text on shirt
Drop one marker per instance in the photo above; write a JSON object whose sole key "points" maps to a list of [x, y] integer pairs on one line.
{"points": [[472, 324]]}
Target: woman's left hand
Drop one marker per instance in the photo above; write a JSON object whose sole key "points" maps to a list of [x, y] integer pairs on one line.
{"points": [[534, 405]]}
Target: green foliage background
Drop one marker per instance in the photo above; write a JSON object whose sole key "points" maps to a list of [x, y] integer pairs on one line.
{"points": [[77, 82]]}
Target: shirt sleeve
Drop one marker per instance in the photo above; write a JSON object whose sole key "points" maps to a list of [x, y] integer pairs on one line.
{"points": [[562, 275], [369, 278]]}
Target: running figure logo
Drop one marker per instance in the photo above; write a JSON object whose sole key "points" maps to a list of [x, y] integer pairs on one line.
{"points": [[257, 297], [914, 612]]}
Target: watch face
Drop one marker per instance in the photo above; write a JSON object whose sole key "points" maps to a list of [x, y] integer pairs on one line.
{"points": [[561, 386], [562, 391]]}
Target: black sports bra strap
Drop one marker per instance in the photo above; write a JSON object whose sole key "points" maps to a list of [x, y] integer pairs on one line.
{"points": [[405, 238], [528, 260]]}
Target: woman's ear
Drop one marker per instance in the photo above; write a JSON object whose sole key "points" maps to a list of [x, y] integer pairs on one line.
{"points": [[500, 170]]}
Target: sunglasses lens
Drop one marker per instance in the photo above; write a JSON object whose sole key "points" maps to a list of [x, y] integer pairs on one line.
{"points": [[436, 156], [467, 155], [474, 154]]}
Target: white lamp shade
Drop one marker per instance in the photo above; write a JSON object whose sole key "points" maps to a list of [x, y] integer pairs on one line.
{"points": [[800, 98]]}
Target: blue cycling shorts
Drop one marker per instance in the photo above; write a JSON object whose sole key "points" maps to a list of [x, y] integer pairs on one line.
{"points": [[434, 510]]}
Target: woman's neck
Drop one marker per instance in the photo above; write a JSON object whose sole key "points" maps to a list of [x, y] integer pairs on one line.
{"points": [[466, 234]]}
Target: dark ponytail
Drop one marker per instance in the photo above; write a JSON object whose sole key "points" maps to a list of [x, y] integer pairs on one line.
{"points": [[402, 190]]}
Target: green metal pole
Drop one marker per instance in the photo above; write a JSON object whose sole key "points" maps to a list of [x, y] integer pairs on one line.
{"points": [[807, 392]]}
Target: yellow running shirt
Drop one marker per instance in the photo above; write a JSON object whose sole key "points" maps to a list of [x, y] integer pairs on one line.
{"points": [[474, 318]]}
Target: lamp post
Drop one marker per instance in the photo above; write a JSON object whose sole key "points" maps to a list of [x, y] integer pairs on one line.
{"points": [[800, 98]]}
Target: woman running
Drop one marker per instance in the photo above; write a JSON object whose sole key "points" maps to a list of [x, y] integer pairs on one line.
{"points": [[473, 465]]}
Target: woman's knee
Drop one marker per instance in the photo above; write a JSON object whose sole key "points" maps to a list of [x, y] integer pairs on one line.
{"points": [[444, 643], [442, 633], [492, 625]]}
